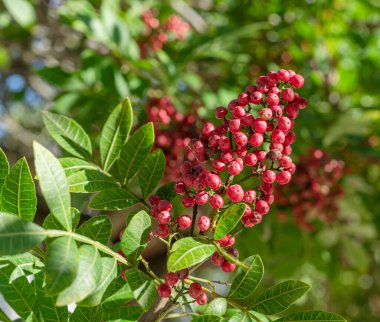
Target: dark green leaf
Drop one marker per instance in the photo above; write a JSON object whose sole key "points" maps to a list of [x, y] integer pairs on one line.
{"points": [[187, 252], [18, 195], [245, 282], [229, 219], [109, 273], [87, 279], [122, 296], [86, 181], [115, 133], [135, 151], [129, 313], [97, 228], [167, 192], [312, 316], [53, 185], [279, 297], [142, 287], [113, 199], [62, 260], [151, 172], [4, 167], [51, 222], [136, 235], [87, 314], [68, 134], [18, 235]]}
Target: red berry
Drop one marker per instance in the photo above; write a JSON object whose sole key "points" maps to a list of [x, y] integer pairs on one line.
{"points": [[249, 196], [228, 267], [283, 75], [289, 138], [241, 150], [195, 290], [284, 177], [224, 143], [183, 274], [164, 205], [183, 222], [262, 207], [180, 187], [204, 223], [234, 168], [232, 104], [240, 138], [265, 113], [162, 231], [213, 141], [256, 139], [220, 112], [216, 201], [202, 299], [259, 125], [288, 94], [214, 181], [217, 259], [188, 179], [188, 201], [285, 162], [284, 123], [235, 193], [292, 110], [234, 125], [163, 217], [164, 290], [226, 241], [154, 211], [278, 136], [201, 198], [171, 279], [238, 112], [227, 156], [256, 97], [208, 129], [233, 251], [247, 119], [273, 99], [218, 165], [297, 81], [243, 99], [154, 200], [261, 155], [250, 159], [276, 111], [269, 176], [287, 150]]}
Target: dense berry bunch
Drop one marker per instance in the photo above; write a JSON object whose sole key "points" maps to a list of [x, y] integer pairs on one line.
{"points": [[157, 34], [173, 132], [316, 189]]}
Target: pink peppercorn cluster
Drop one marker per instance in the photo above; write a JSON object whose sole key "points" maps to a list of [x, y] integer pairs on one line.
{"points": [[226, 242], [316, 189], [173, 132], [157, 34], [255, 134]]}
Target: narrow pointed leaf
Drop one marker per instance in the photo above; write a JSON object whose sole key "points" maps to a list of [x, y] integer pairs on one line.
{"points": [[87, 278], [115, 133], [18, 195], [18, 235], [97, 228], [68, 134], [72, 165], [51, 222], [229, 219], [113, 199], [151, 172], [53, 184], [109, 273], [187, 252], [142, 287], [86, 181], [87, 314], [245, 282], [62, 260], [123, 295], [129, 313], [312, 316], [18, 293], [136, 235], [135, 151], [4, 167], [279, 297]]}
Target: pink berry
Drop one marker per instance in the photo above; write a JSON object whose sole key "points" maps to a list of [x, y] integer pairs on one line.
{"points": [[220, 112], [265, 113], [288, 94], [217, 259], [232, 104], [276, 111], [259, 125], [247, 119], [278, 136], [233, 251], [183, 222], [164, 205], [284, 177], [250, 159], [201, 198], [256, 97], [214, 181], [292, 110], [273, 99], [234, 125], [188, 201], [228, 267], [204, 223], [226, 241], [261, 155], [269, 176], [238, 112], [297, 81], [195, 290], [183, 274], [216, 201], [285, 162], [234, 168], [249, 196], [235, 193], [243, 99], [283, 75], [227, 156], [224, 143], [162, 231], [164, 290], [171, 279], [188, 179], [202, 299], [262, 207], [180, 187], [240, 138], [163, 217], [213, 141], [218, 165], [208, 129], [256, 139], [154, 200], [284, 123]]}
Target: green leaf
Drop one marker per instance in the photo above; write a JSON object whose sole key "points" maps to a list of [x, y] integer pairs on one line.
{"points": [[4, 167], [109, 273], [18, 195], [279, 297], [62, 260], [97, 228], [21, 11], [129, 313], [151, 172], [245, 282], [136, 235], [53, 185], [46, 304], [248, 317], [113, 199], [187, 252], [18, 293], [51, 222], [167, 192], [122, 296], [229, 219], [135, 151], [26, 262], [3, 317], [216, 307], [18, 235], [86, 181], [87, 314], [207, 318], [312, 316], [72, 165], [68, 134], [87, 279], [115, 133], [142, 287]]}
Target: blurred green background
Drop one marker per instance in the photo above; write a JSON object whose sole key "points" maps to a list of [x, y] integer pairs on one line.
{"points": [[81, 57]]}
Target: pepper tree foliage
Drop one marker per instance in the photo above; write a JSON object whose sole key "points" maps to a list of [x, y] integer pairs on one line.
{"points": [[46, 267]]}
